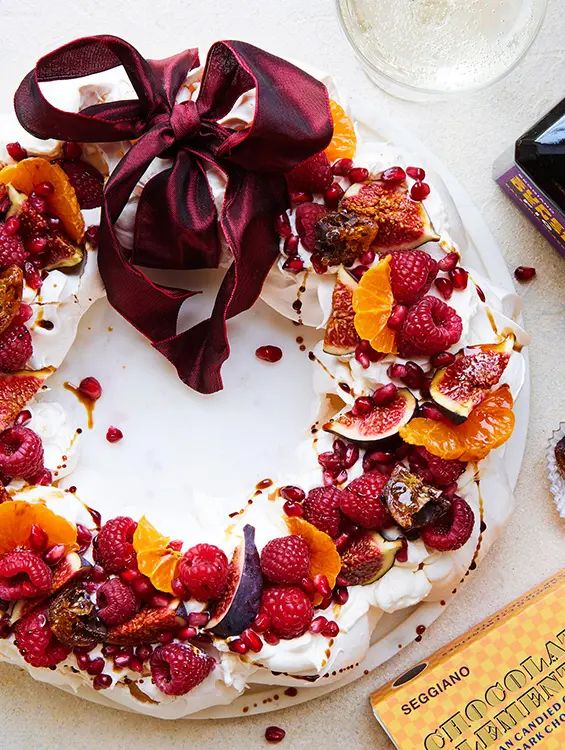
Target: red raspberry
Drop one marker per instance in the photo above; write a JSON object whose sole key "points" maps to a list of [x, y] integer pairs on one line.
{"points": [[314, 175], [452, 530], [307, 216], [204, 571], [116, 601], [36, 642], [23, 575], [113, 548], [361, 502], [431, 326], [12, 250], [286, 560], [179, 667], [433, 469], [21, 453], [289, 610], [15, 348], [321, 509], [86, 180], [411, 275]]}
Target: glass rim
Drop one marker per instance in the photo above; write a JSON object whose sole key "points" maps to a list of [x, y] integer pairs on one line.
{"points": [[379, 71]]}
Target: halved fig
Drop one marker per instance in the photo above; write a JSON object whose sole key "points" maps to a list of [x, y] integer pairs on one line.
{"points": [[368, 558], [380, 423], [464, 384], [71, 567], [239, 604], [407, 497], [16, 389], [403, 224], [341, 336], [11, 287]]}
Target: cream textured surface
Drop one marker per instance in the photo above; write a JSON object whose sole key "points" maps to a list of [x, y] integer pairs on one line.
{"points": [[468, 134]]}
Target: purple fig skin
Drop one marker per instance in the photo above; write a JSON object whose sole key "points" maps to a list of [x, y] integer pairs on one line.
{"points": [[239, 613]]}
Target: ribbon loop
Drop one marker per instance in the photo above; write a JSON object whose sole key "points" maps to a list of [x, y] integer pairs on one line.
{"points": [[177, 225]]}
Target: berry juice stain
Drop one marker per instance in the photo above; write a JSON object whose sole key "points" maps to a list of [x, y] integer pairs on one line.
{"points": [[87, 402], [264, 484]]}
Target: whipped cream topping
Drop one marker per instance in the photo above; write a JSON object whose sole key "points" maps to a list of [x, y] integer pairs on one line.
{"points": [[425, 576]]}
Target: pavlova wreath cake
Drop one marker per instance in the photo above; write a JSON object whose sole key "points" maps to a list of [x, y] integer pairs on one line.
{"points": [[415, 373]]}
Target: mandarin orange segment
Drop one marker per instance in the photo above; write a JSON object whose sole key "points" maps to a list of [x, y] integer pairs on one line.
{"points": [[62, 202], [344, 141], [154, 558], [489, 425], [17, 517], [372, 303], [324, 557]]}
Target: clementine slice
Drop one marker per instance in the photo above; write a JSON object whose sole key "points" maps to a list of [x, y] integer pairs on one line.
{"points": [[372, 303], [488, 426], [344, 141], [154, 558], [62, 202], [17, 517], [324, 557]]}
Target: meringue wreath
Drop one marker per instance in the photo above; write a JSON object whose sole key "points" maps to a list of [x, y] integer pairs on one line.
{"points": [[416, 368]]}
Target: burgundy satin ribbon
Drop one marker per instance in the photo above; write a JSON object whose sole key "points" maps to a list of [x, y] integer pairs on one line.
{"points": [[177, 225]]}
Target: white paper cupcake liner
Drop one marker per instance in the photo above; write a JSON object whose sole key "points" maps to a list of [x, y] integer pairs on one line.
{"points": [[556, 477]]}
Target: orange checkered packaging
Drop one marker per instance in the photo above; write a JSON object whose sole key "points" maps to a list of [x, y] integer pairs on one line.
{"points": [[500, 686]]}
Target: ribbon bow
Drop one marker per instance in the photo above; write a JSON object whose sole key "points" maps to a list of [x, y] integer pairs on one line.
{"points": [[176, 224]]}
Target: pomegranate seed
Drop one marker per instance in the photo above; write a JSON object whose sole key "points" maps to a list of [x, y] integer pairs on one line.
{"points": [[322, 585], [341, 595], [301, 197], [96, 666], [363, 359], [367, 258], [16, 151], [269, 353], [43, 188], [44, 478], [339, 447], [261, 622], [292, 508], [330, 461], [179, 589], [282, 226], [431, 411], [342, 167], [83, 661], [271, 638], [91, 388], [23, 417], [72, 150], [129, 576], [291, 245], [290, 492], [442, 359], [101, 682], [252, 640], [12, 226], [380, 457], [444, 287], [459, 277], [326, 601], [238, 646], [397, 316], [524, 273], [416, 173], [114, 434], [175, 545], [351, 456], [308, 585], [319, 265], [143, 652], [362, 406], [136, 665], [122, 660], [341, 542], [448, 262], [55, 223], [38, 202], [402, 554], [24, 314], [385, 394], [340, 478], [91, 234], [396, 371], [333, 195], [32, 276], [274, 734], [331, 629], [414, 376], [38, 539], [54, 554], [358, 174], [294, 265], [159, 601], [142, 587], [97, 573], [84, 536], [165, 638], [359, 271], [318, 624], [198, 619], [109, 650], [393, 174], [419, 191]]}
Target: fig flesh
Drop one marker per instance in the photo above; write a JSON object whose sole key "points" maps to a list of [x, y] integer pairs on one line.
{"points": [[380, 423], [239, 604], [341, 336], [368, 558]]}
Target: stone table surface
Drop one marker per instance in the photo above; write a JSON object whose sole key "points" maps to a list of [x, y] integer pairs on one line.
{"points": [[467, 133]]}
